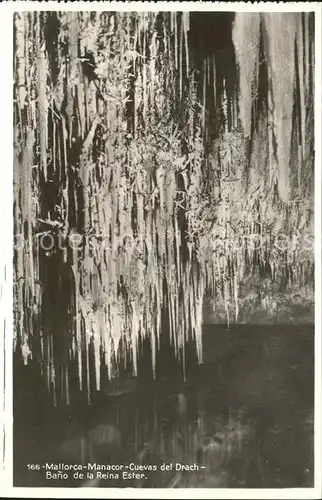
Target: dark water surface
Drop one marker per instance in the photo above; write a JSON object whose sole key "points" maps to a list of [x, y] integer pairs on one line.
{"points": [[245, 415]]}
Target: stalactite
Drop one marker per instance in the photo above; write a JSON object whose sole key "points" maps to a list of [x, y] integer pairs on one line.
{"points": [[246, 32], [158, 198], [301, 69], [214, 80], [185, 19], [43, 105], [20, 59], [281, 30], [181, 36]]}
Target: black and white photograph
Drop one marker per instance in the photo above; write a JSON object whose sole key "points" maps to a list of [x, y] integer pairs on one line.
{"points": [[163, 247]]}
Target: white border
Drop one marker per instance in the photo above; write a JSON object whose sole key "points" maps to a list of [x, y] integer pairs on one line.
{"points": [[6, 274]]}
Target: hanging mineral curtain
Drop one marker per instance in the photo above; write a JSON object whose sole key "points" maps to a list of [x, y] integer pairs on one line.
{"points": [[149, 174]]}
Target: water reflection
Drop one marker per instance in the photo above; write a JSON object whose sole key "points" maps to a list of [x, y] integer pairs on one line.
{"points": [[175, 433], [245, 419]]}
